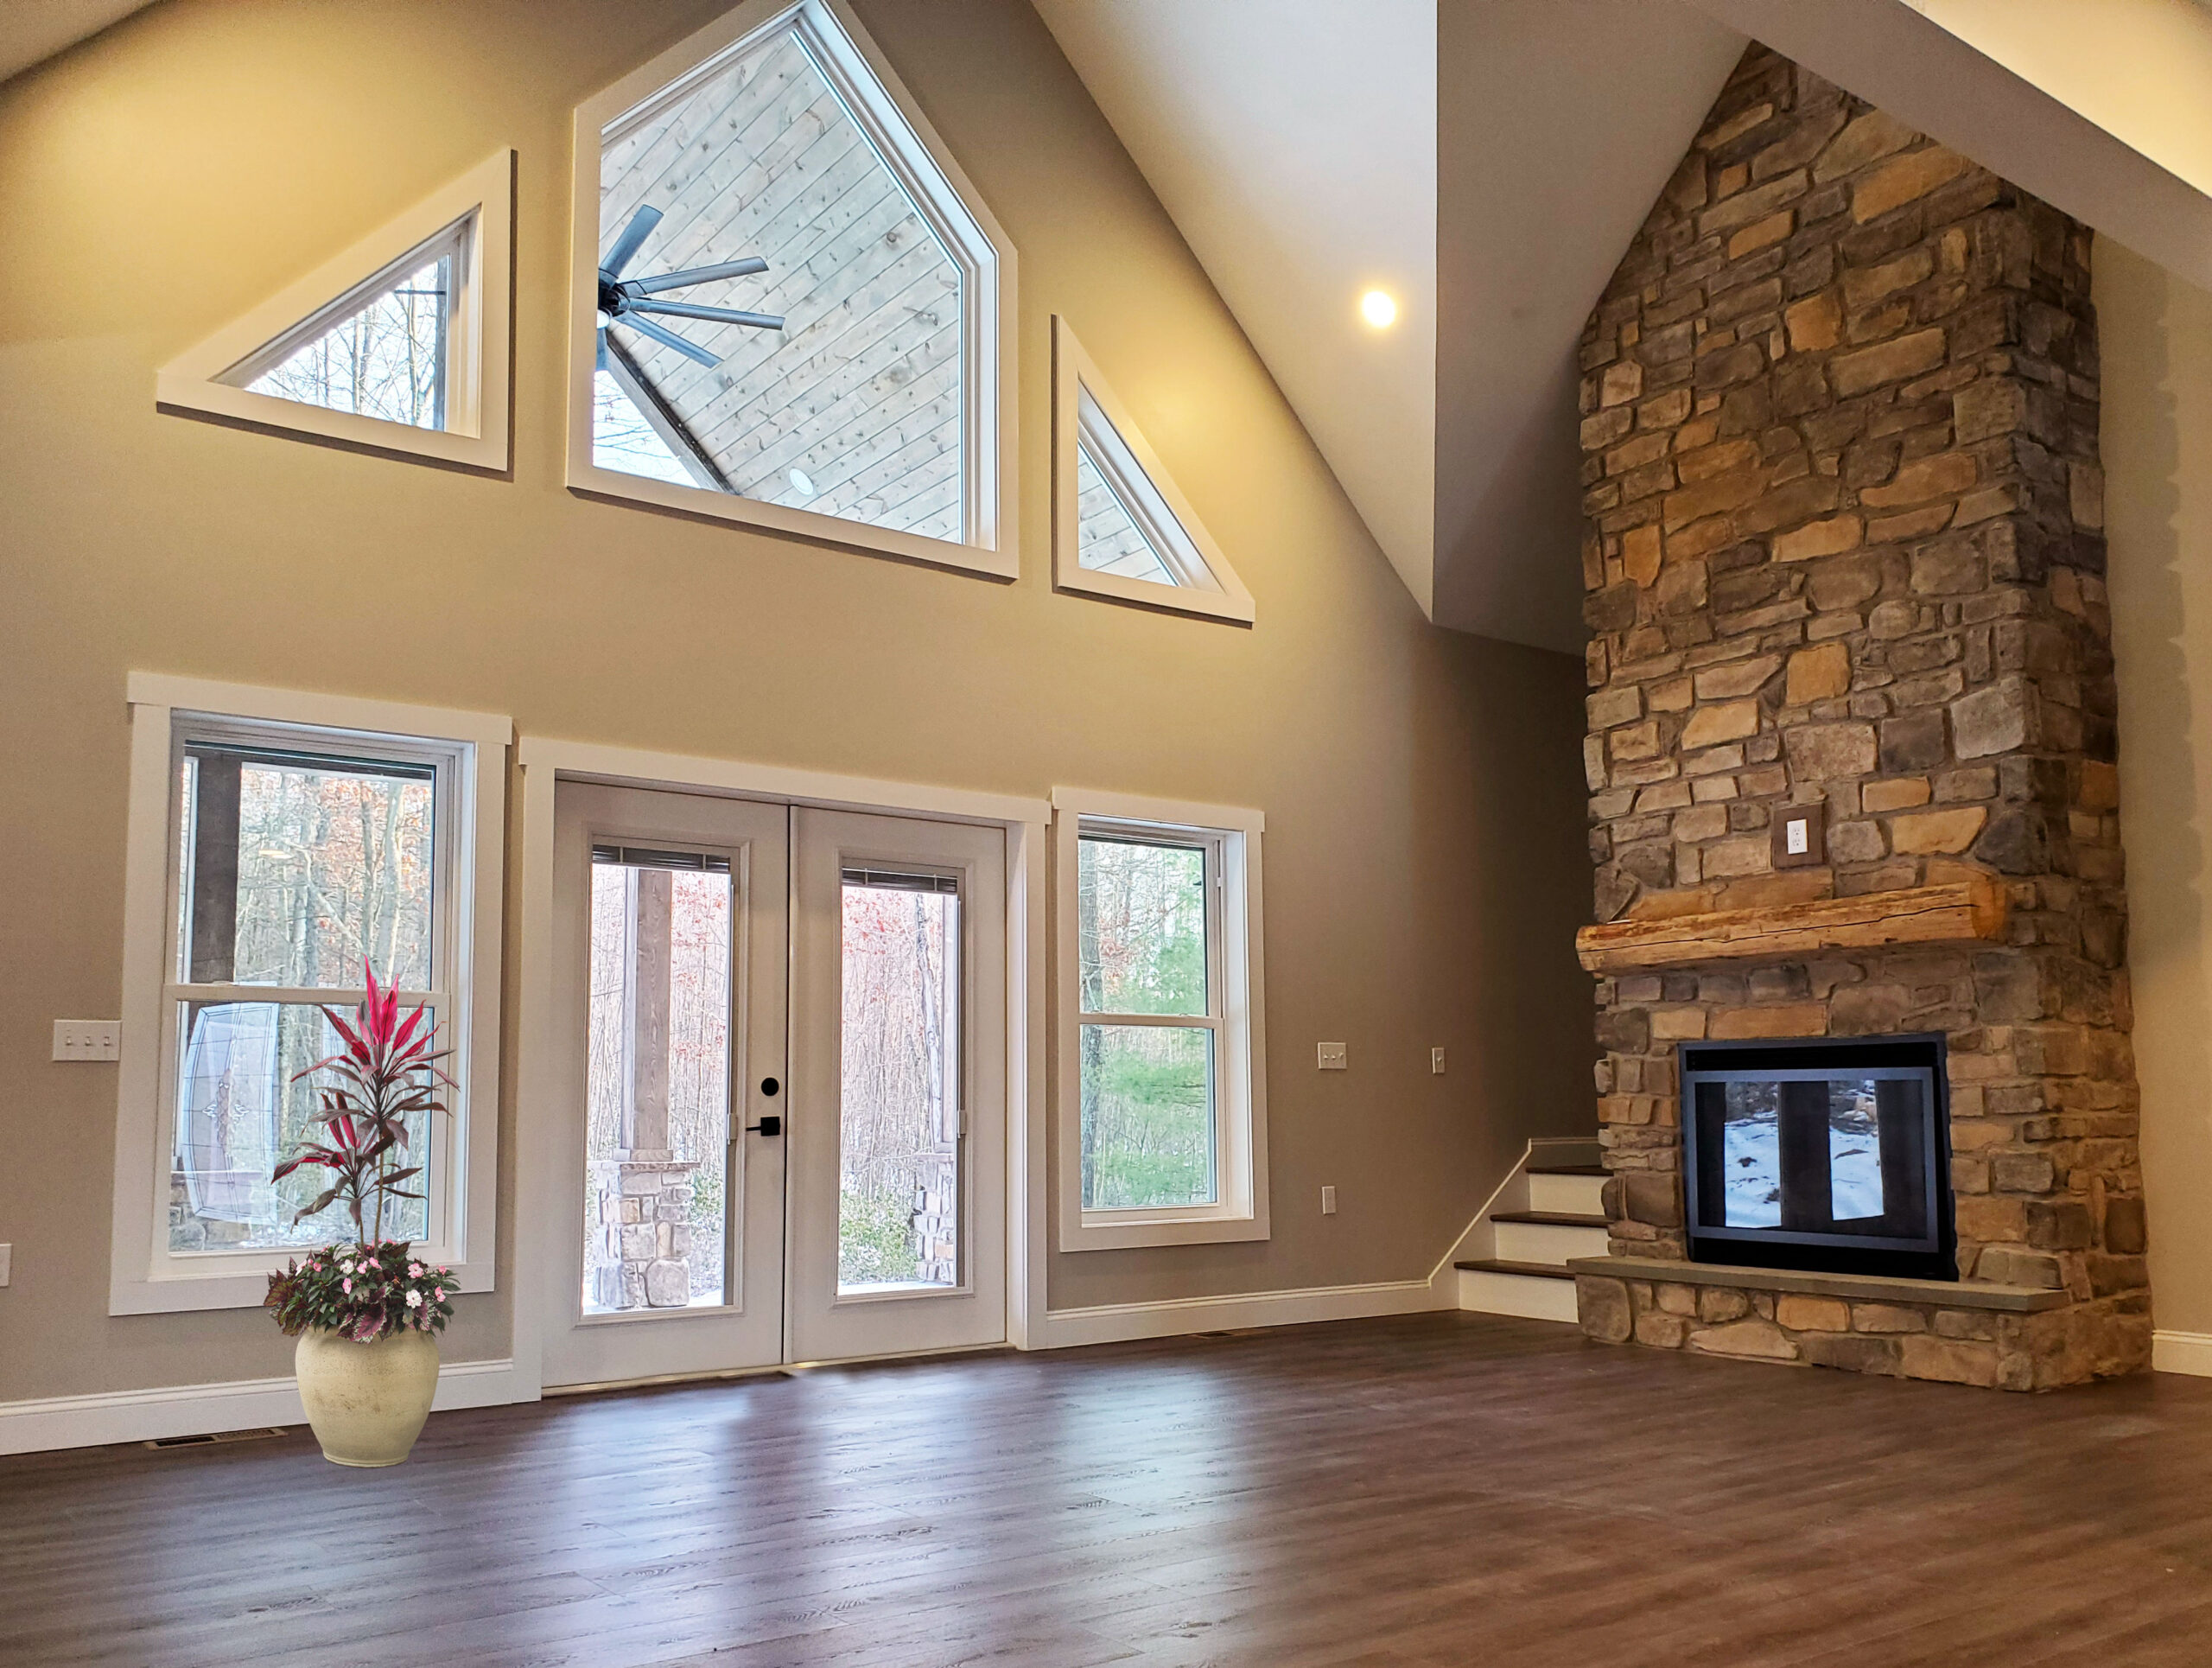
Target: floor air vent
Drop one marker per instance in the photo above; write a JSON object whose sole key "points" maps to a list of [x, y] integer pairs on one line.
{"points": [[260, 1434]]}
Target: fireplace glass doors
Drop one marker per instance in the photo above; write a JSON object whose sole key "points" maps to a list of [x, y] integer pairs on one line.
{"points": [[1820, 1155]]}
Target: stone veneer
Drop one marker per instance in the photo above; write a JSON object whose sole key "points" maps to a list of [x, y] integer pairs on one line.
{"points": [[1844, 548]]}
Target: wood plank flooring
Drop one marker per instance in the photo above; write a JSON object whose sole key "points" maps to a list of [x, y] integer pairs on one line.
{"points": [[1443, 1489]]}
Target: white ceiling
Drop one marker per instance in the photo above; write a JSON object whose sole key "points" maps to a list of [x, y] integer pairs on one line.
{"points": [[32, 30], [1284, 138], [1294, 142]]}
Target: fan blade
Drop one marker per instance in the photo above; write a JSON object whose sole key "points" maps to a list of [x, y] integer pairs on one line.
{"points": [[685, 309], [690, 275], [601, 363], [632, 240], [669, 339]]}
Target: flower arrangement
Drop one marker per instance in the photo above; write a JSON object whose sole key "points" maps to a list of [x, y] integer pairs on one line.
{"points": [[362, 1293], [385, 1072]]}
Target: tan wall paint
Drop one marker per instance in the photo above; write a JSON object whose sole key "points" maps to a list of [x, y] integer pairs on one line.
{"points": [[1423, 847], [2156, 334]]}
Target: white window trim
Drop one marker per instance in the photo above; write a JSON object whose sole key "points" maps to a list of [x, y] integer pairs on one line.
{"points": [[944, 195], [479, 342], [1207, 584], [145, 1276], [1240, 1102]]}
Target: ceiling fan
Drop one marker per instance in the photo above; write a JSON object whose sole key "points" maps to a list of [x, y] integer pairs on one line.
{"points": [[626, 301]]}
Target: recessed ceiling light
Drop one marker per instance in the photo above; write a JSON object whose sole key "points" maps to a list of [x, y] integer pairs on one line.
{"points": [[803, 482], [1378, 308]]}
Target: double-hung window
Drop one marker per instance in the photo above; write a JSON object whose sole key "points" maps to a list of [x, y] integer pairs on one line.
{"points": [[287, 857], [1162, 1137]]}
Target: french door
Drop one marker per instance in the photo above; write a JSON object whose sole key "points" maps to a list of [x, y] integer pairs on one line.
{"points": [[781, 1085]]}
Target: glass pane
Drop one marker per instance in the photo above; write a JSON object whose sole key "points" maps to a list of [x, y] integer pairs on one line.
{"points": [[298, 868], [622, 439], [241, 1107], [1107, 537], [899, 1103], [657, 1085], [1141, 922], [853, 408], [1751, 1158], [388, 360], [1147, 1116]]}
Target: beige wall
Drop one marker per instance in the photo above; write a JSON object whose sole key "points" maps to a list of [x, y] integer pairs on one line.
{"points": [[1424, 852], [2156, 333]]}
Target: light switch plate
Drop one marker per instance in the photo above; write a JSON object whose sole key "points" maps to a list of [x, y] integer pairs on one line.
{"points": [[1332, 1057], [7, 1263], [1328, 1201], [87, 1039], [1436, 1061]]}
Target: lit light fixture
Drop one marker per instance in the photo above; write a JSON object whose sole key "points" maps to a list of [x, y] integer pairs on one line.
{"points": [[803, 483], [1378, 309]]}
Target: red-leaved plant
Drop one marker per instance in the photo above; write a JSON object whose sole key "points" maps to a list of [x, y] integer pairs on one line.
{"points": [[385, 1074]]}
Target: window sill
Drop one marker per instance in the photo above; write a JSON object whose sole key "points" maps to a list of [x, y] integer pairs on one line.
{"points": [[1126, 1229], [613, 485], [243, 1288]]}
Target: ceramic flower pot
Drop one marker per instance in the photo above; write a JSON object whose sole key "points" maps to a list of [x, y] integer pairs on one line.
{"points": [[366, 1402]]}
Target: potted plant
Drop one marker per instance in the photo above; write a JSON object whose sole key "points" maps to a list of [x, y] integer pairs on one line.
{"points": [[367, 1315]]}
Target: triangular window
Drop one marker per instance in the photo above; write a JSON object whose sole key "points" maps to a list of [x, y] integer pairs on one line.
{"points": [[1108, 539], [380, 351], [399, 345], [801, 290], [1123, 529]]}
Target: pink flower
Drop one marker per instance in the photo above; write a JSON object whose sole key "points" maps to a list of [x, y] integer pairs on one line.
{"points": [[348, 1286], [414, 1271]]}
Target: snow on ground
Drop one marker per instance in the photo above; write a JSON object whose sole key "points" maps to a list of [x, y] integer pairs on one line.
{"points": [[1751, 1159]]}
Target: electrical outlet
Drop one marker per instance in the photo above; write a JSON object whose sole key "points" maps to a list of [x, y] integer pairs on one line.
{"points": [[1328, 1201], [1332, 1057], [1436, 1061], [87, 1039]]}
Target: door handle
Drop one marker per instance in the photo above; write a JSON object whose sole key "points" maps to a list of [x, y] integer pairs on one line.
{"points": [[770, 1126]]}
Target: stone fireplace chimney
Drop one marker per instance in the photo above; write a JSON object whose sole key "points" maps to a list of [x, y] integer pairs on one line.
{"points": [[1844, 559]]}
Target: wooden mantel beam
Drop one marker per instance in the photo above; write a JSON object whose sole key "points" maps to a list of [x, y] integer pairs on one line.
{"points": [[1967, 911]]}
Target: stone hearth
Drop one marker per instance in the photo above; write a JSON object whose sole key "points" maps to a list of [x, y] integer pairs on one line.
{"points": [[1845, 552]]}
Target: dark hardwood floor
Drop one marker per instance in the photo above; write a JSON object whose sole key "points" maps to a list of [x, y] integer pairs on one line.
{"points": [[1436, 1489]]}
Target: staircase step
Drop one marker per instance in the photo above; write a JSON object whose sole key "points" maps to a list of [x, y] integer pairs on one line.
{"points": [[1574, 1192], [1505, 1287], [1500, 1265], [1551, 1218]]}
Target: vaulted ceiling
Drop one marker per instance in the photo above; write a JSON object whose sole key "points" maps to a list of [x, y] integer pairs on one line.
{"points": [[1488, 161]]}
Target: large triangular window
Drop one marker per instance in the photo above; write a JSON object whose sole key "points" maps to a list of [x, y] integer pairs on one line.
{"points": [[1121, 529], [400, 344], [789, 286]]}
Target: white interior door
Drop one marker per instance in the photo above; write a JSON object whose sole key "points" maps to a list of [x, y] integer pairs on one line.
{"points": [[897, 1137], [671, 931]]}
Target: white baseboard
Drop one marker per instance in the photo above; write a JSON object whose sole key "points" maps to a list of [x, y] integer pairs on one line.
{"points": [[1113, 1323], [2181, 1351], [137, 1416]]}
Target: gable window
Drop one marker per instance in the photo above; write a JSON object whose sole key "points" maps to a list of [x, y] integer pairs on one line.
{"points": [[399, 345], [381, 355], [1162, 1122], [1121, 529], [791, 310], [293, 855]]}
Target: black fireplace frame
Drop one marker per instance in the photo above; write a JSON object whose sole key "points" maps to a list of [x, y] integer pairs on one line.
{"points": [[1919, 1056]]}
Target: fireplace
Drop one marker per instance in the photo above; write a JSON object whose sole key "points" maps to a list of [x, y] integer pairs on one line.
{"points": [[1820, 1154], [1852, 755]]}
